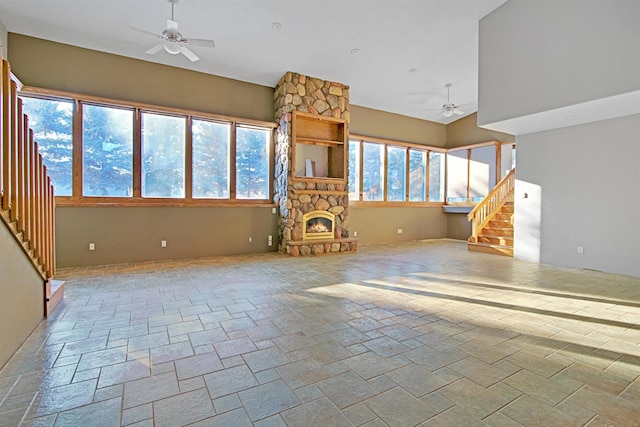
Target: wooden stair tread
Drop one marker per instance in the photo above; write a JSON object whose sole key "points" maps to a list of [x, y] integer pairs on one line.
{"points": [[490, 248]]}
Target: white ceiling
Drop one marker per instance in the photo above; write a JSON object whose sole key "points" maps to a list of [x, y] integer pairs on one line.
{"points": [[408, 49]]}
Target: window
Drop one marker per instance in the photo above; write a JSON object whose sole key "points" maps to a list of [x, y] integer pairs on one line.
{"points": [[252, 163], [396, 174], [417, 175], [107, 151], [372, 171], [163, 140], [436, 177], [354, 170], [210, 159], [52, 124]]}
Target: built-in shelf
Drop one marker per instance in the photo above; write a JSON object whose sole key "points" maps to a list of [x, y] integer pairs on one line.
{"points": [[319, 148]]}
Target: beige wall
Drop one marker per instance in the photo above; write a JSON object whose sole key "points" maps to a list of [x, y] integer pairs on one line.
{"points": [[134, 234], [380, 225], [21, 296], [458, 227], [50, 65], [465, 131], [380, 124]]}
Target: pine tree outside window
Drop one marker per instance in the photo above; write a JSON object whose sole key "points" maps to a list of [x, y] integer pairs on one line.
{"points": [[107, 142], [52, 124]]}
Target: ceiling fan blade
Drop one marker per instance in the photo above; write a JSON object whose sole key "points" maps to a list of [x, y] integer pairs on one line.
{"points": [[458, 112], [155, 49], [189, 54], [201, 42], [149, 33], [172, 26]]}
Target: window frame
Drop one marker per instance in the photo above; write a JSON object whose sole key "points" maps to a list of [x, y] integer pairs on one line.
{"points": [[77, 198], [400, 145]]}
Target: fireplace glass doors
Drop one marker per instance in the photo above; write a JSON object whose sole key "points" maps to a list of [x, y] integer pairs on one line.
{"points": [[318, 225]]}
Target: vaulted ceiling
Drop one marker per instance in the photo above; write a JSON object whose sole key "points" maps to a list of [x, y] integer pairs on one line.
{"points": [[396, 55]]}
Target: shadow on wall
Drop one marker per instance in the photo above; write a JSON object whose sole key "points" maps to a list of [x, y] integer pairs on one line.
{"points": [[528, 221]]}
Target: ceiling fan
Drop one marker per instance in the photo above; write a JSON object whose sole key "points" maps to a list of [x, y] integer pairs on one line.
{"points": [[449, 108], [174, 42]]}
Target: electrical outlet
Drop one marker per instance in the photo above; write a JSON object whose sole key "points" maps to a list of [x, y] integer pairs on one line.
{"points": [[270, 241], [399, 230], [163, 243], [355, 234], [92, 246], [250, 240], [273, 210], [580, 250]]}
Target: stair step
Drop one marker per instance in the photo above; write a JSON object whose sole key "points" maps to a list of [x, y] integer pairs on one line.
{"points": [[496, 240], [497, 232], [499, 223], [489, 248], [503, 216]]}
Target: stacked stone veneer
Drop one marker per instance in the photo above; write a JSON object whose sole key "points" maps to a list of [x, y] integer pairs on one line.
{"points": [[296, 92]]}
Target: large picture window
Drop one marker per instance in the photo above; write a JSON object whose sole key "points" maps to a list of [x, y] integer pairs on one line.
{"points": [[372, 171], [107, 151], [395, 172], [162, 155], [417, 175], [210, 159], [252, 163], [52, 124], [126, 153]]}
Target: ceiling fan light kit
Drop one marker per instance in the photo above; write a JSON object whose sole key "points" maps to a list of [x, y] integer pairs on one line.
{"points": [[174, 43], [449, 108]]}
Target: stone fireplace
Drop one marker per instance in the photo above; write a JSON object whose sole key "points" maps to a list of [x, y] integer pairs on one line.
{"points": [[311, 170]]}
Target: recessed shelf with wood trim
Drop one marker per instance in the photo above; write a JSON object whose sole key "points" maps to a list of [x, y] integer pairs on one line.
{"points": [[319, 148]]}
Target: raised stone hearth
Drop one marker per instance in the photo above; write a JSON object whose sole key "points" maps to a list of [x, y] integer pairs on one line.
{"points": [[322, 111]]}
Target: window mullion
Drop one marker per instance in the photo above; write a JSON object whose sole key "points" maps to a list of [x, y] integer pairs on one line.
{"points": [[232, 162], [137, 154], [188, 159], [77, 164]]}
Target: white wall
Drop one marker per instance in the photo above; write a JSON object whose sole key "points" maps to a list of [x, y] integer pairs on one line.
{"points": [[583, 185], [563, 76], [537, 56]]}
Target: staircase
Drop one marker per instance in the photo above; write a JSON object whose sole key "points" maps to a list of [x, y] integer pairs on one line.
{"points": [[492, 220], [27, 201], [497, 236]]}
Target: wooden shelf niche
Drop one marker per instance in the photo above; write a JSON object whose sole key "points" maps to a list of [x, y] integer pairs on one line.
{"points": [[320, 148]]}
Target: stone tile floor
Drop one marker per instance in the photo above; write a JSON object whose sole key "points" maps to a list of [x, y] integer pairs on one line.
{"points": [[421, 333]]}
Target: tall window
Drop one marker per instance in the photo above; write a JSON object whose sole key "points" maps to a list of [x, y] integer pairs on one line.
{"points": [[436, 177], [107, 151], [210, 159], [417, 175], [354, 170], [372, 171], [163, 141], [52, 124], [396, 174], [252, 163]]}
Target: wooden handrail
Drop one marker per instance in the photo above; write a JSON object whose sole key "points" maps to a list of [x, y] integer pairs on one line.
{"points": [[27, 205], [486, 210]]}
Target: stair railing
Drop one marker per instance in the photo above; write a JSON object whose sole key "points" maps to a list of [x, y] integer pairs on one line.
{"points": [[486, 210], [27, 204]]}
